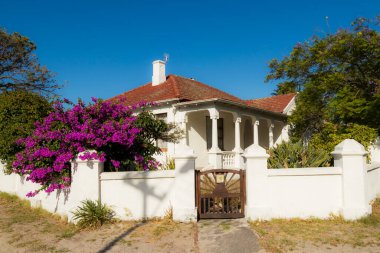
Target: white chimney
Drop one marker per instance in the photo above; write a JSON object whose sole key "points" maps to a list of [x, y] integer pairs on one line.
{"points": [[158, 72]]}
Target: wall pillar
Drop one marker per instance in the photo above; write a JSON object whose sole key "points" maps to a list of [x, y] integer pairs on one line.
{"points": [[85, 182], [184, 209], [257, 204], [350, 156]]}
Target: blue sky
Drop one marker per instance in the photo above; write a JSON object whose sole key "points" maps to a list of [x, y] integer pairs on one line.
{"points": [[104, 48]]}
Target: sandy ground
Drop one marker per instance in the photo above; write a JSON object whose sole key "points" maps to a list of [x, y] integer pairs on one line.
{"points": [[153, 236], [23, 229]]}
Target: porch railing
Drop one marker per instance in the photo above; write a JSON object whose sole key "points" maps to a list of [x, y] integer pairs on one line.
{"points": [[228, 160]]}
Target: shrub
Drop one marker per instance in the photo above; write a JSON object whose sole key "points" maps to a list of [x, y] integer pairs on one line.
{"points": [[331, 135], [93, 214], [118, 137], [19, 110], [297, 155]]}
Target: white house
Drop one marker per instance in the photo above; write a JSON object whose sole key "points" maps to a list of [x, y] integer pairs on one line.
{"points": [[218, 126], [210, 179]]}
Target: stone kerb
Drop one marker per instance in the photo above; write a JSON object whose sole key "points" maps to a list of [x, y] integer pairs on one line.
{"points": [[257, 204], [350, 156], [184, 209]]}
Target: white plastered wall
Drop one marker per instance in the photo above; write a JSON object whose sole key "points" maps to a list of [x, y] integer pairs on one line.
{"points": [[138, 194], [229, 130], [196, 130], [305, 192]]}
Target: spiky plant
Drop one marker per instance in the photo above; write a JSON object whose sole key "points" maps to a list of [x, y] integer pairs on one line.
{"points": [[93, 214], [297, 155]]}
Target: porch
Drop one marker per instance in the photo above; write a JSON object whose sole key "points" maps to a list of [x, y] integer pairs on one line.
{"points": [[219, 132]]}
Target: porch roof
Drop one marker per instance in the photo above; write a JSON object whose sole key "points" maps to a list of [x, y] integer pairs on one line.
{"points": [[243, 106]]}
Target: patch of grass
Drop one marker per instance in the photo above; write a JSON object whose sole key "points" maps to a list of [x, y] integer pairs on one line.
{"points": [[225, 226], [283, 235], [68, 233], [127, 242], [163, 228], [33, 229]]}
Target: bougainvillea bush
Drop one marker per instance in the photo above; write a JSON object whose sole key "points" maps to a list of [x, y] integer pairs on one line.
{"points": [[111, 131]]}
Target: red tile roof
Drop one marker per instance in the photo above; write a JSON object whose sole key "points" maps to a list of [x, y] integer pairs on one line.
{"points": [[186, 89], [276, 103], [175, 87]]}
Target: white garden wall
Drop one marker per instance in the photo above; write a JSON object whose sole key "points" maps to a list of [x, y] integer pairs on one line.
{"points": [[373, 180], [132, 195], [305, 192], [14, 184], [346, 189], [138, 194]]}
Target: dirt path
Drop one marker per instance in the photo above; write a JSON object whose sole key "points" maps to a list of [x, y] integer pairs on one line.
{"points": [[25, 229], [227, 236], [5, 246]]}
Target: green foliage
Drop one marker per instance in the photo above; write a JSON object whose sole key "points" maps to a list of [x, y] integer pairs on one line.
{"points": [[337, 77], [19, 67], [297, 155], [331, 135], [170, 165], [152, 130], [19, 110], [93, 214]]}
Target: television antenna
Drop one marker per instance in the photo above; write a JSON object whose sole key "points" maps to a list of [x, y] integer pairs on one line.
{"points": [[166, 57], [327, 24]]}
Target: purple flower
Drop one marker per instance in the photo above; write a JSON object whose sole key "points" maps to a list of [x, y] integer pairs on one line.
{"points": [[105, 127]]}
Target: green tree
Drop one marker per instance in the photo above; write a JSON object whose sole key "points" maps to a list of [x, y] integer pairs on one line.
{"points": [[332, 134], [19, 66], [337, 77], [19, 110]]}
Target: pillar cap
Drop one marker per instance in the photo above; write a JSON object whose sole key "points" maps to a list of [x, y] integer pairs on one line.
{"points": [[349, 147], [255, 151]]}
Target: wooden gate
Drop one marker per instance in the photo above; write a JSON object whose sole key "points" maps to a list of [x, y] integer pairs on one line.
{"points": [[220, 193]]}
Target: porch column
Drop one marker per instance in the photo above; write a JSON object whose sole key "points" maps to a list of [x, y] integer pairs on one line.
{"points": [[214, 154], [214, 145], [285, 133], [255, 123], [238, 150], [183, 123], [237, 135], [270, 127]]}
